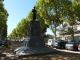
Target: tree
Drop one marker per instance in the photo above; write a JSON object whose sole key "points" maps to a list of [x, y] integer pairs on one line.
{"points": [[51, 12], [75, 6], [22, 27], [72, 15], [3, 19]]}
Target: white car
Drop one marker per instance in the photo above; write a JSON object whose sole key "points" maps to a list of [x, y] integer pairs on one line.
{"points": [[19, 48], [52, 43]]}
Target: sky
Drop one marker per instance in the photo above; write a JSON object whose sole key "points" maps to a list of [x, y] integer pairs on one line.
{"points": [[17, 10]]}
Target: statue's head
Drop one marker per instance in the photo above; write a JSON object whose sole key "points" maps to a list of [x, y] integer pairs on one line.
{"points": [[34, 7]]}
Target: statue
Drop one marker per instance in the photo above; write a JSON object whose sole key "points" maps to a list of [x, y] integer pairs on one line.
{"points": [[34, 13]]}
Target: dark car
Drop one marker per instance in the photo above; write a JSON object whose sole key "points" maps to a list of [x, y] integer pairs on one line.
{"points": [[61, 44], [72, 45]]}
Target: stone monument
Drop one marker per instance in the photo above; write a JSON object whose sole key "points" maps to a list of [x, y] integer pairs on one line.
{"points": [[34, 32], [34, 44]]}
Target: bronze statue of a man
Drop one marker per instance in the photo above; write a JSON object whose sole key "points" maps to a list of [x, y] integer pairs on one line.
{"points": [[34, 13]]}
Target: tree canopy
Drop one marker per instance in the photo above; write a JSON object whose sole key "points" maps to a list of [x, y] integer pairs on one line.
{"points": [[50, 13], [3, 20]]}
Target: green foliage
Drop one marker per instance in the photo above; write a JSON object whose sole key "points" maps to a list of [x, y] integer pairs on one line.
{"points": [[50, 13], [21, 29], [3, 19], [76, 7], [72, 14]]}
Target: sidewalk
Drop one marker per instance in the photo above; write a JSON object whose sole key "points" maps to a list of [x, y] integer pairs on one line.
{"points": [[78, 52]]}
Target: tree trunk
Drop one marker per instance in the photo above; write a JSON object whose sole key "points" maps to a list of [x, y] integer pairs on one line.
{"points": [[55, 31], [63, 30], [73, 34]]}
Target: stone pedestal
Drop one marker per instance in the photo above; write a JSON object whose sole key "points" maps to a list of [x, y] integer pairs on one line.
{"points": [[34, 35]]}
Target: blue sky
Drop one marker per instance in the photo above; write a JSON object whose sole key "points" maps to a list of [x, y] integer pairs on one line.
{"points": [[17, 10]]}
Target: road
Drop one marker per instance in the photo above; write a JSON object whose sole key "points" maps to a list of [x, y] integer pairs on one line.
{"points": [[7, 54]]}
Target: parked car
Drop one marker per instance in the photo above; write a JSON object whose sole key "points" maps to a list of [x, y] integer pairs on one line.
{"points": [[77, 41], [79, 47], [57, 43], [52, 43], [72, 45], [61, 44], [21, 40]]}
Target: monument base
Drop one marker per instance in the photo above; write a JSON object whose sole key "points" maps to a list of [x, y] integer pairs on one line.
{"points": [[35, 50]]}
